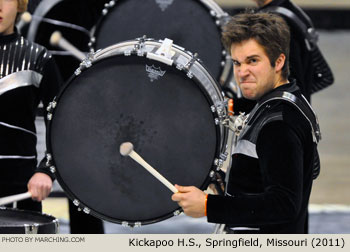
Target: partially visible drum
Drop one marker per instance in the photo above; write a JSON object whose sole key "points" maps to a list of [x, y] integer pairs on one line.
{"points": [[81, 15], [193, 24], [157, 96], [15, 221]]}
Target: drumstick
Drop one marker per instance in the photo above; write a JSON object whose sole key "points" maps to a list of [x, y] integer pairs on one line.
{"points": [[26, 18], [14, 198], [126, 149], [57, 39]]}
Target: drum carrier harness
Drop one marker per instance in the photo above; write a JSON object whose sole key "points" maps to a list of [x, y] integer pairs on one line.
{"points": [[255, 121], [249, 126]]}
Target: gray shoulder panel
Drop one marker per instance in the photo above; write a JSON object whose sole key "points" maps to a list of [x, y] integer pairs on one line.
{"points": [[20, 79]]}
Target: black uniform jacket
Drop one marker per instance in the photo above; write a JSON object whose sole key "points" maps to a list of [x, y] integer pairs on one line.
{"points": [[271, 175], [28, 76]]}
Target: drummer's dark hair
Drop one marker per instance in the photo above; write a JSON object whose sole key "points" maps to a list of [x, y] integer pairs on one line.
{"points": [[269, 30]]}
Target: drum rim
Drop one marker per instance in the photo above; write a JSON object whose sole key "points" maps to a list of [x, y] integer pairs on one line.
{"points": [[100, 56], [42, 9], [105, 53]]}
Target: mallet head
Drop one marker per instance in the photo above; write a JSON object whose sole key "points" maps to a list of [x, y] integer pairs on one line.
{"points": [[26, 17], [126, 148], [55, 38]]}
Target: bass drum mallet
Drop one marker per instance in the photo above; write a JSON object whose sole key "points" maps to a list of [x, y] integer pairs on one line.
{"points": [[127, 149]]}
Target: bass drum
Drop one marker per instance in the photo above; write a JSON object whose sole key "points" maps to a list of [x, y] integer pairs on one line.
{"points": [[73, 18], [168, 109], [193, 24], [15, 221]]}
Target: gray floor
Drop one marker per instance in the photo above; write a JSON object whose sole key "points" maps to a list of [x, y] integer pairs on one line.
{"points": [[333, 185], [320, 223]]}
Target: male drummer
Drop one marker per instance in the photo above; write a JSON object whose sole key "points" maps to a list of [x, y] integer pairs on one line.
{"points": [[28, 75], [273, 163]]}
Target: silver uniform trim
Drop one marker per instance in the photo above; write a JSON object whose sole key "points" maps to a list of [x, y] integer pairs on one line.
{"points": [[25, 53], [15, 60], [16, 157], [8, 61], [244, 229], [247, 148], [20, 79], [18, 128], [2, 62]]}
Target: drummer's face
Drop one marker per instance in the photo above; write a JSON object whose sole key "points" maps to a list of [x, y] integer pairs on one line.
{"points": [[252, 69], [8, 13]]}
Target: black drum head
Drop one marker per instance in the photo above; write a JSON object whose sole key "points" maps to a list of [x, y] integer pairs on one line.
{"points": [[14, 221], [187, 22], [168, 120]]}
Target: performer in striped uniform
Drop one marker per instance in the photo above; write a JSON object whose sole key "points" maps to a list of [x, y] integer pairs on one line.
{"points": [[28, 75]]}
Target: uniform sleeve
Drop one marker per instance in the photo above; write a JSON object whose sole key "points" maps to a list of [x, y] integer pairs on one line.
{"points": [[280, 152], [49, 87]]}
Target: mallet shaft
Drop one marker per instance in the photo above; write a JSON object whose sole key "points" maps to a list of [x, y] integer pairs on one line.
{"points": [[14, 198], [150, 169]]}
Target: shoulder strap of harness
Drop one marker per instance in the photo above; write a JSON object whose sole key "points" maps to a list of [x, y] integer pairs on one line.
{"points": [[303, 107], [306, 110]]}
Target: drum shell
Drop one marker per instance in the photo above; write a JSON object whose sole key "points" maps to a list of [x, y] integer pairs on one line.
{"points": [[15, 221]]}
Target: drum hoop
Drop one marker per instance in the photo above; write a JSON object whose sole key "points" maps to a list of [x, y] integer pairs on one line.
{"points": [[43, 8], [211, 5], [108, 53]]}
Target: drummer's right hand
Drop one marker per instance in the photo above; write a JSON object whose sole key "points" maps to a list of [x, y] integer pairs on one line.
{"points": [[39, 186], [191, 199]]}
